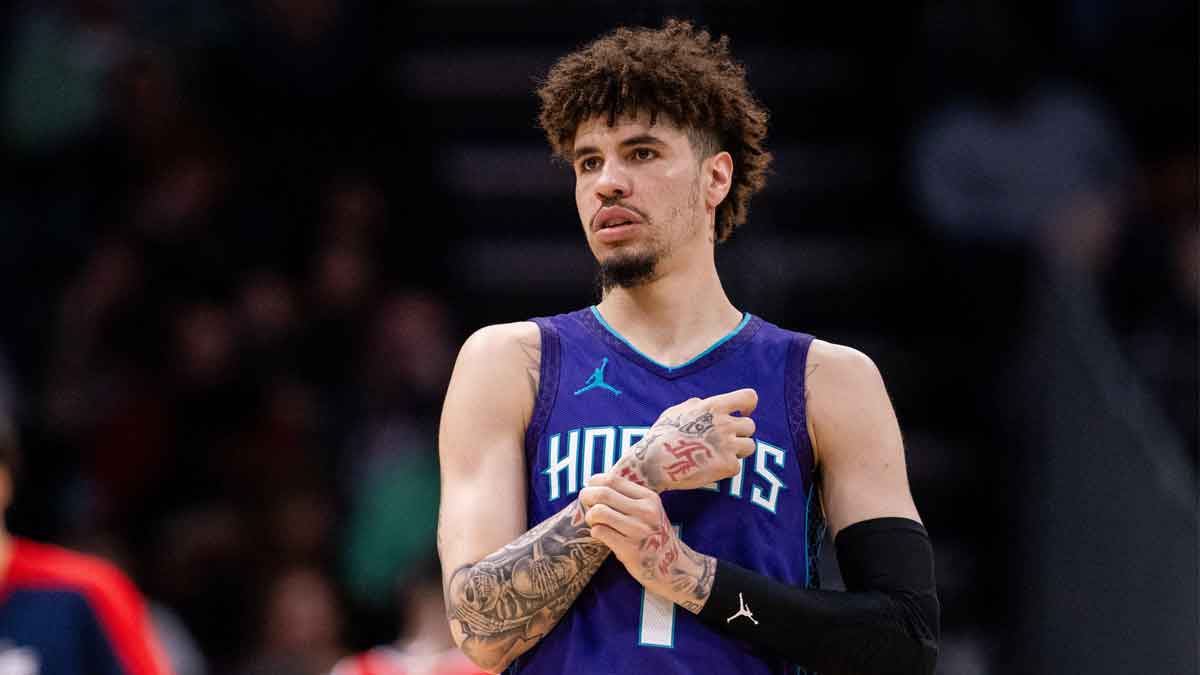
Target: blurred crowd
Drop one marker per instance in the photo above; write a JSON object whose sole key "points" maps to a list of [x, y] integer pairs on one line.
{"points": [[221, 379], [230, 311], [1046, 150]]}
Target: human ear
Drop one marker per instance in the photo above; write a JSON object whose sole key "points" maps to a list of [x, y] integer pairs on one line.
{"points": [[717, 178]]}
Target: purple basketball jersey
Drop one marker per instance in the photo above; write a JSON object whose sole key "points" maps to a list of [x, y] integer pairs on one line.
{"points": [[597, 398]]}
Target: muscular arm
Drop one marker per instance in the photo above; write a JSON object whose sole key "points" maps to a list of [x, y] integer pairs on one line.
{"points": [[502, 605], [856, 439], [506, 588]]}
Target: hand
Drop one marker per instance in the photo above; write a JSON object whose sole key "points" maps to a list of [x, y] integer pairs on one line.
{"points": [[630, 520], [695, 443]]}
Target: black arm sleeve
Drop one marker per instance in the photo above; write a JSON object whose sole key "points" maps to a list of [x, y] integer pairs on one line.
{"points": [[885, 623]]}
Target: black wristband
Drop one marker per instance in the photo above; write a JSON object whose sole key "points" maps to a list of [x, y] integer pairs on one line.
{"points": [[885, 623]]}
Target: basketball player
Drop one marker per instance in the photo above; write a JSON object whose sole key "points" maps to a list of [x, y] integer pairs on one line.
{"points": [[65, 612], [702, 446]]}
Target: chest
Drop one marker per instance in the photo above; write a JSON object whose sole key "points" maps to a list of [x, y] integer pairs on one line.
{"points": [[605, 404]]}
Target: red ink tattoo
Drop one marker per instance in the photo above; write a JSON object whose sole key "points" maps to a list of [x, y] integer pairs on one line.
{"points": [[664, 565], [689, 454], [650, 548], [661, 538], [631, 475]]}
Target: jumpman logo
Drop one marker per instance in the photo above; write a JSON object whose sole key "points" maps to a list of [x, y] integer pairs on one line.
{"points": [[596, 381], [744, 611]]}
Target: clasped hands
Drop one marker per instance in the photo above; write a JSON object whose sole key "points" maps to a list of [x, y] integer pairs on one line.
{"points": [[692, 444]]}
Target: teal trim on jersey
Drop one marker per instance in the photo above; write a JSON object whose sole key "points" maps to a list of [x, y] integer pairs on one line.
{"points": [[745, 320]]}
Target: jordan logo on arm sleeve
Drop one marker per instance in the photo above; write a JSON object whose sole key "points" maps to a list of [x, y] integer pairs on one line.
{"points": [[744, 610]]}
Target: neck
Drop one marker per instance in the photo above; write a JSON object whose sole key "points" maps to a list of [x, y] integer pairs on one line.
{"points": [[677, 315]]}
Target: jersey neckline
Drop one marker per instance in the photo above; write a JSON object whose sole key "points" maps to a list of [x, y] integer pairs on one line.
{"points": [[745, 330]]}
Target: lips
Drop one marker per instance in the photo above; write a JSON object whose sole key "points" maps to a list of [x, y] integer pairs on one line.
{"points": [[613, 216]]}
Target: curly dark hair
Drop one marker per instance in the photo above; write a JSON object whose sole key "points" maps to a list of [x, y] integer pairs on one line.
{"points": [[679, 71]]}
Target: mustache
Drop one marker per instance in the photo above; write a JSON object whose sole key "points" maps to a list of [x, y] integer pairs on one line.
{"points": [[616, 201]]}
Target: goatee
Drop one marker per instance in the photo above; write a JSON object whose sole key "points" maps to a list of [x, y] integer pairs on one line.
{"points": [[627, 271]]}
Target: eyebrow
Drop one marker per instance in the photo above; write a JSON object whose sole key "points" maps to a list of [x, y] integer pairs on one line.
{"points": [[640, 139]]}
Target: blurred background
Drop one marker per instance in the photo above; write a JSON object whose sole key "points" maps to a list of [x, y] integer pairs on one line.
{"points": [[241, 242]]}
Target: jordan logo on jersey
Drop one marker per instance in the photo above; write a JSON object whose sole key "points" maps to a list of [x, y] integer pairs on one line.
{"points": [[596, 381]]}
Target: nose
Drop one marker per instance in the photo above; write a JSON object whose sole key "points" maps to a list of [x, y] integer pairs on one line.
{"points": [[613, 182]]}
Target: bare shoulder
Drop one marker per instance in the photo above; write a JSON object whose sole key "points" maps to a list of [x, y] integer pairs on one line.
{"points": [[498, 369], [504, 338], [834, 366], [842, 388], [488, 403], [508, 348]]}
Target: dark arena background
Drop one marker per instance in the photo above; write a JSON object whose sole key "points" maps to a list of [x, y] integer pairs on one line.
{"points": [[241, 242]]}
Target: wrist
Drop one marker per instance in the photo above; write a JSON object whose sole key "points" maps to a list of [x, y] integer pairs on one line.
{"points": [[690, 581], [637, 470], [704, 572]]}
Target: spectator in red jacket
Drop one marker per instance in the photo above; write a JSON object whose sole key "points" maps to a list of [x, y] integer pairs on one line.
{"points": [[63, 612]]}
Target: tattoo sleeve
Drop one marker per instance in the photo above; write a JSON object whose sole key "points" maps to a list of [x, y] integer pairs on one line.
{"points": [[502, 605]]}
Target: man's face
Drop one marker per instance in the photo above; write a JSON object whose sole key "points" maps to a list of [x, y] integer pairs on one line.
{"points": [[637, 188]]}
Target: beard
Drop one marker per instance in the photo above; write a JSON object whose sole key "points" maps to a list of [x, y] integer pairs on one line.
{"points": [[627, 271]]}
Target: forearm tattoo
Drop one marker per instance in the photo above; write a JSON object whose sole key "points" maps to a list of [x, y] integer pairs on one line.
{"points": [[663, 558], [698, 586], [503, 604], [659, 550]]}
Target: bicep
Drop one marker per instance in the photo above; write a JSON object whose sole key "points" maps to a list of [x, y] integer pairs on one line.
{"points": [[481, 449], [857, 436]]}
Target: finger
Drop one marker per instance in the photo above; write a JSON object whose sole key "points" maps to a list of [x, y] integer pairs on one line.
{"points": [[743, 447], [742, 400], [597, 479], [602, 514], [622, 547], [630, 489], [599, 494], [607, 536], [743, 426]]}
